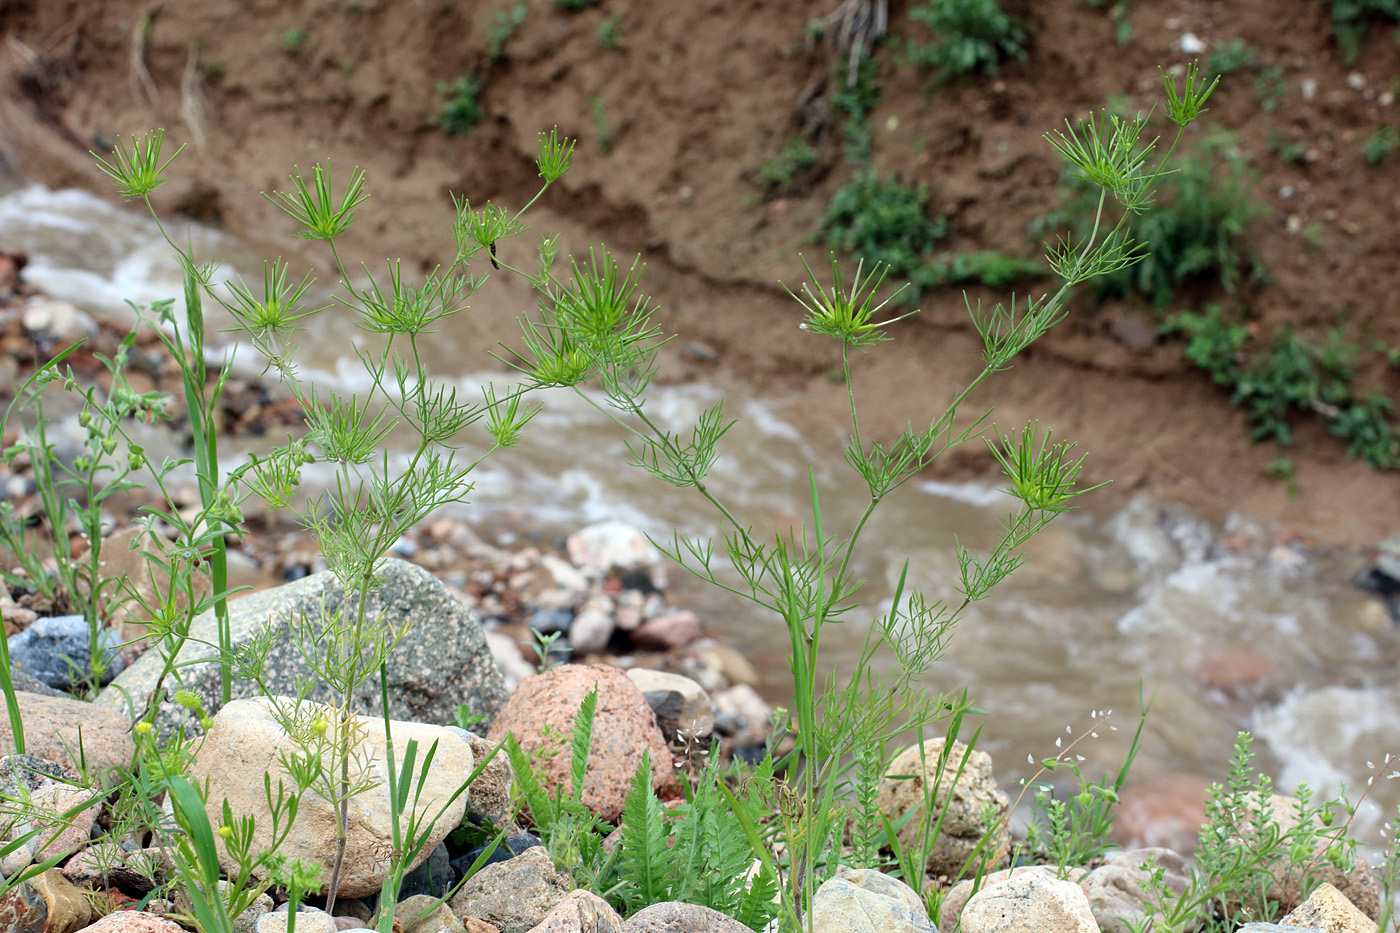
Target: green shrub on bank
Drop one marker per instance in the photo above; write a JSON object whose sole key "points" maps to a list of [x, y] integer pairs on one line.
{"points": [[1352, 19], [973, 37], [1295, 376], [882, 221], [1195, 231]]}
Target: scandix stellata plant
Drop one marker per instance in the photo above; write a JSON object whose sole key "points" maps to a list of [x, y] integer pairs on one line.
{"points": [[594, 328]]}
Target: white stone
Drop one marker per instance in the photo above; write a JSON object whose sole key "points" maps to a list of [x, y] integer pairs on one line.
{"points": [[1191, 44]]}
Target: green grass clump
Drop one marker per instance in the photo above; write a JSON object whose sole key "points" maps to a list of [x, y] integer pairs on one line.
{"points": [[1195, 231], [1380, 144], [1295, 376], [974, 37], [1230, 57], [504, 23], [462, 112], [984, 267], [574, 4], [1351, 19], [784, 173], [882, 221]]}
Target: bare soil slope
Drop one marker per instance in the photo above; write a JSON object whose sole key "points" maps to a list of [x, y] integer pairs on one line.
{"points": [[694, 99]]}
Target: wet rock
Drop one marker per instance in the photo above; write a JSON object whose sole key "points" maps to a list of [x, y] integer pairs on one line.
{"points": [[581, 912], [677, 917], [1330, 910], [52, 727], [509, 848], [442, 662], [606, 545], [975, 806], [57, 651], [1029, 903], [514, 896], [868, 901], [673, 629], [681, 705], [245, 742], [1118, 892], [540, 714], [432, 877]]}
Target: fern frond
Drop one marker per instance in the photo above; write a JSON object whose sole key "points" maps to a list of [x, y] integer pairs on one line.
{"points": [[583, 741], [759, 905], [542, 810], [646, 861]]}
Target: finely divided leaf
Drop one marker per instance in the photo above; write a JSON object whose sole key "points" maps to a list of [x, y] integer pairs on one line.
{"points": [[646, 860], [541, 809]]}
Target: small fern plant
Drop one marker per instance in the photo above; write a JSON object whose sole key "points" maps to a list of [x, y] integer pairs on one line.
{"points": [[698, 853]]}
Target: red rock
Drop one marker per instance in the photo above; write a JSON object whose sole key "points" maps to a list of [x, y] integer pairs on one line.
{"points": [[623, 728], [670, 630]]}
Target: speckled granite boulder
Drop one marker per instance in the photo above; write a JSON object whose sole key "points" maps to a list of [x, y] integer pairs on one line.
{"points": [[541, 714], [442, 661]]}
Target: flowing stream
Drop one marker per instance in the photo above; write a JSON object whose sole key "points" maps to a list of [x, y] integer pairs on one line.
{"points": [[1227, 630]]}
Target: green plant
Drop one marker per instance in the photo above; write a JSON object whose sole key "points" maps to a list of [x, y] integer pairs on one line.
{"points": [[882, 222], [1073, 832], [1197, 230], [294, 39], [504, 23], [783, 173], [1118, 15], [855, 96], [1230, 57], [1380, 144], [462, 112], [1295, 375], [1290, 152], [974, 36], [601, 127], [1269, 87], [986, 267], [574, 4], [610, 32], [1351, 19], [596, 329]]}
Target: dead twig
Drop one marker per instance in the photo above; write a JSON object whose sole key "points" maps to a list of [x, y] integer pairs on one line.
{"points": [[141, 81], [192, 101], [855, 26]]}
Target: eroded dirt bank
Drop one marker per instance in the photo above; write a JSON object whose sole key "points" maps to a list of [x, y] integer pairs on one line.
{"points": [[693, 100]]}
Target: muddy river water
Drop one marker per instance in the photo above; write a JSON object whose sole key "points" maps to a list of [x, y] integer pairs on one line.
{"points": [[1230, 627]]}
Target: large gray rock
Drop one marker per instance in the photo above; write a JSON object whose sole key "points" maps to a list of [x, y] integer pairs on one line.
{"points": [[441, 662], [868, 901], [581, 912], [62, 729]]}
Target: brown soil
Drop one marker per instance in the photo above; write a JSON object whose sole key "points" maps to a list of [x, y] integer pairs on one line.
{"points": [[698, 96]]}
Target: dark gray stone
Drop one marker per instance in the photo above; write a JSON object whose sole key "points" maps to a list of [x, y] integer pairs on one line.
{"points": [[24, 683], [57, 651], [433, 876], [441, 663]]}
